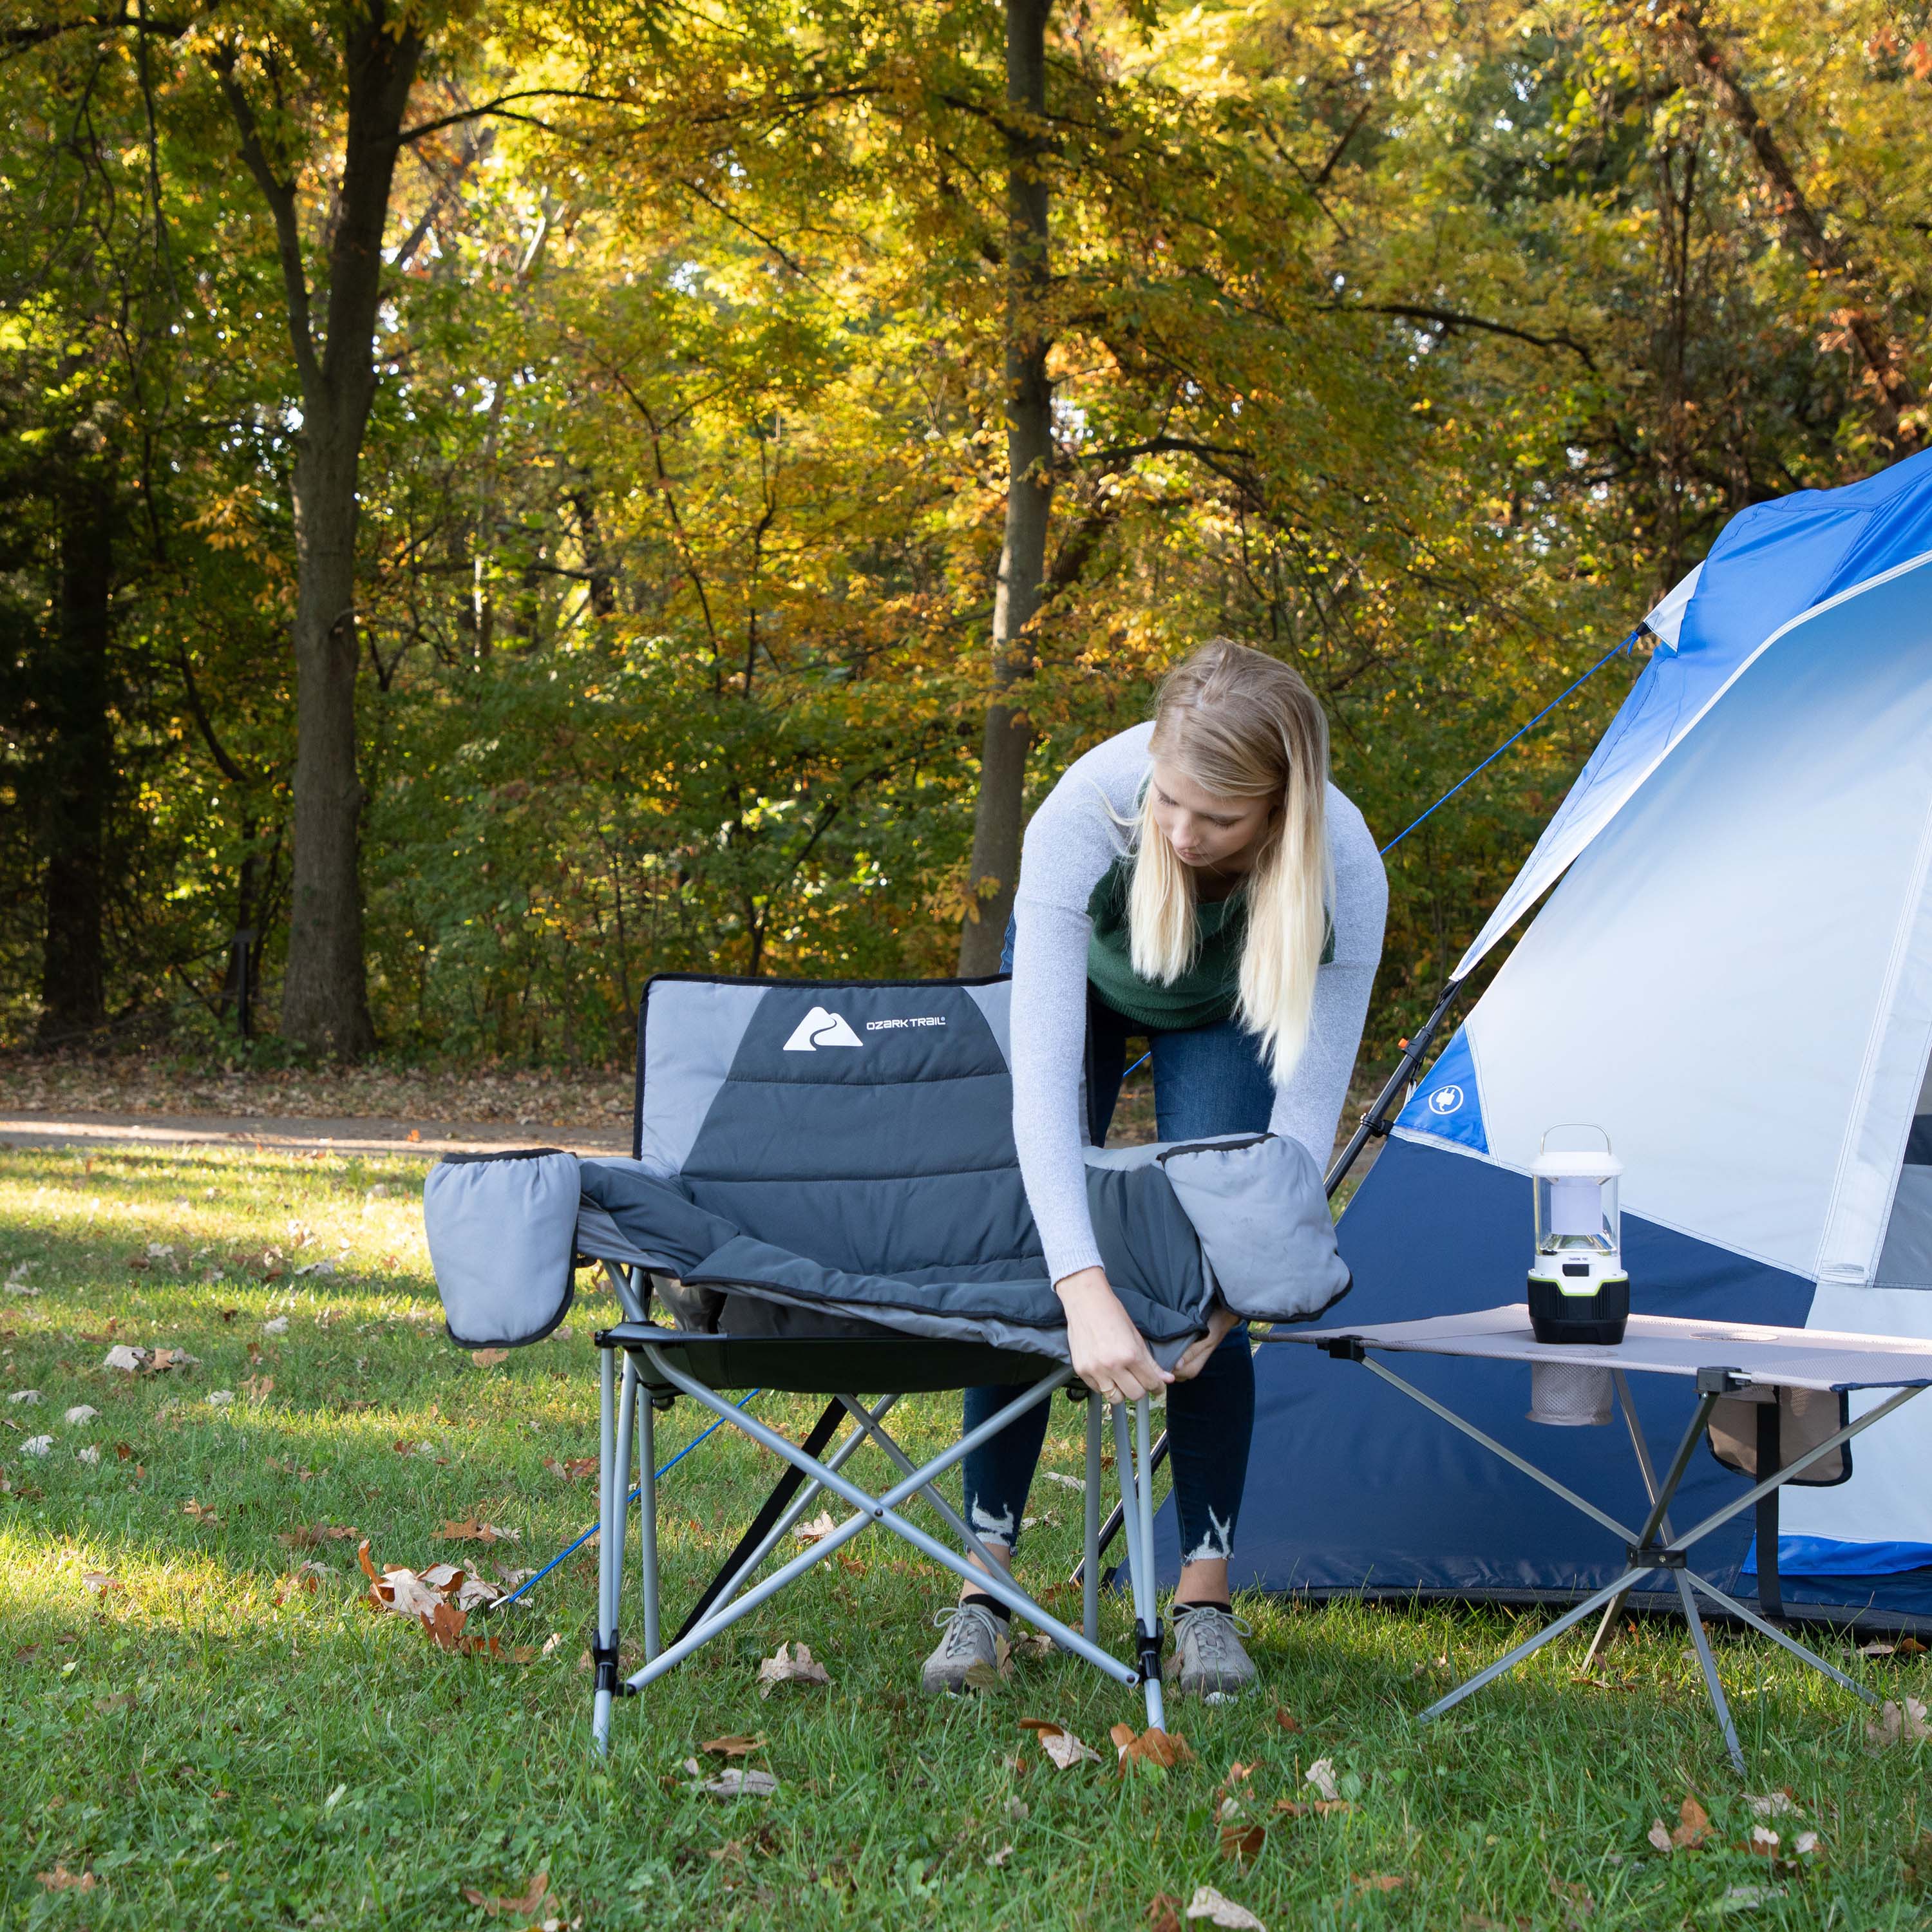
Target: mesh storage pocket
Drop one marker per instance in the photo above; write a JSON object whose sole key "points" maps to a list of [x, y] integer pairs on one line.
{"points": [[1565, 1395]]}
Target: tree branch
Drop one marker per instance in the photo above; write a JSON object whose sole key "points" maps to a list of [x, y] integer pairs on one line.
{"points": [[1450, 318]]}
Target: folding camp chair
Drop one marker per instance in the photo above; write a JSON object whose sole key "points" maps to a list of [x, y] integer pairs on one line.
{"points": [[658, 1364], [824, 1193]]}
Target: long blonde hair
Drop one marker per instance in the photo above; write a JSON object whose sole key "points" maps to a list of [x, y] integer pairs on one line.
{"points": [[1242, 725]]}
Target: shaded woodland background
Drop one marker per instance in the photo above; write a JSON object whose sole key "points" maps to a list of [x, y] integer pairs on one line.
{"points": [[496, 500]]}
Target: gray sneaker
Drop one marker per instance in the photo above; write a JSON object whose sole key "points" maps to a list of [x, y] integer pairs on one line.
{"points": [[972, 1636], [1208, 1659]]}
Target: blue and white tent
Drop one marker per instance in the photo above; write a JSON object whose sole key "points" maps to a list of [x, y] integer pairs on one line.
{"points": [[1734, 979]]}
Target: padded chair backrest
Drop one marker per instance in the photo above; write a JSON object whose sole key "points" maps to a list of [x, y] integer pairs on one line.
{"points": [[865, 1124]]}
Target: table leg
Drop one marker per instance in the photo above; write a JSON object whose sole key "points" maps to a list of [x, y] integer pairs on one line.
{"points": [[1710, 1669], [1613, 1610]]}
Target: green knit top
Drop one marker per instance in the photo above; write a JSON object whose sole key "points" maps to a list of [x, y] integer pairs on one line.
{"points": [[1205, 994]]}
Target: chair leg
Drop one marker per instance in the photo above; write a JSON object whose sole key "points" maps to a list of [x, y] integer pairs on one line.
{"points": [[1089, 1568], [607, 1580], [647, 1522], [1137, 1522]]}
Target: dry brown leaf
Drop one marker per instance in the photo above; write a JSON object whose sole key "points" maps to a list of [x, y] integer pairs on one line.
{"points": [[61, 1880], [117, 1700], [1315, 1808], [1165, 1749], [572, 1469], [790, 1663], [1574, 1896], [1694, 1826], [522, 1904], [736, 1745], [98, 1582], [1217, 1910], [306, 1576], [473, 1529], [488, 1358], [1381, 1881], [733, 1783], [1243, 1842], [1286, 1718], [258, 1389], [309, 1535], [1896, 1723], [1163, 1913], [199, 1512], [817, 1529], [1064, 1750]]}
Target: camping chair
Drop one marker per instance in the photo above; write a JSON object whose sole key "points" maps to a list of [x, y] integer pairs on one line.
{"points": [[824, 1196]]}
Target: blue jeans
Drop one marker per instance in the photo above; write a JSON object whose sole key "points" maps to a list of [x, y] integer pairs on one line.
{"points": [[1207, 1080]]}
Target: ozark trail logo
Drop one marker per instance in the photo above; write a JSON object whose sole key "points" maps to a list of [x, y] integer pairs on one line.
{"points": [[1445, 1100], [819, 1028]]}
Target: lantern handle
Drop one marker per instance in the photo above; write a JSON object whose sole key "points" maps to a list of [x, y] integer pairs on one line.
{"points": [[1543, 1145]]}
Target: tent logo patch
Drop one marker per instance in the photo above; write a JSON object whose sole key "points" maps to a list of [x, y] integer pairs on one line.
{"points": [[820, 1027], [1446, 1100]]}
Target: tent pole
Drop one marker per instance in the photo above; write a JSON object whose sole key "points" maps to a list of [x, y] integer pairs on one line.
{"points": [[1374, 1124]]}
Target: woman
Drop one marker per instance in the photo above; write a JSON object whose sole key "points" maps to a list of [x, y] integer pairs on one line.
{"points": [[1199, 881]]}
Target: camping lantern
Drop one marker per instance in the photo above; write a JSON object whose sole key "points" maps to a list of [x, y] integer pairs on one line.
{"points": [[1578, 1290]]}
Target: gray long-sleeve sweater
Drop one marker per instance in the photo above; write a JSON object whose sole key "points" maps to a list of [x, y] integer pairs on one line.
{"points": [[1073, 838]]}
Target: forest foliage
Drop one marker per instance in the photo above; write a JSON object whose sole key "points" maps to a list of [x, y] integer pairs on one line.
{"points": [[1424, 344]]}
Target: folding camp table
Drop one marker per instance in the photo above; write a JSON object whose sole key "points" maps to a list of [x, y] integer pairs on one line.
{"points": [[1720, 1359], [661, 1363]]}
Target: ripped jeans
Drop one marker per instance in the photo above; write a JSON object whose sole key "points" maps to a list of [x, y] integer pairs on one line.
{"points": [[1207, 1080]]}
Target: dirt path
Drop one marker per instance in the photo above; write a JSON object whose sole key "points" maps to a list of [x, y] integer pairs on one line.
{"points": [[36, 1127]]}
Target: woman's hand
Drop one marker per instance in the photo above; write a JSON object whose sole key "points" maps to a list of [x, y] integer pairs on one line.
{"points": [[1220, 1325], [1109, 1355]]}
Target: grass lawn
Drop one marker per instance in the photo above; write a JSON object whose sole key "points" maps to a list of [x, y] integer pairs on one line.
{"points": [[197, 1744]]}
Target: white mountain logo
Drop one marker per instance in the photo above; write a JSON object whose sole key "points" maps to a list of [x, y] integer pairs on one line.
{"points": [[820, 1028]]}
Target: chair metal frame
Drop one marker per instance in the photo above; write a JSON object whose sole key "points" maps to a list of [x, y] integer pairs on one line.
{"points": [[639, 1374]]}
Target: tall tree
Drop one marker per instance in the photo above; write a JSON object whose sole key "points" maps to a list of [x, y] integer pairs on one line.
{"points": [[324, 991], [1008, 734]]}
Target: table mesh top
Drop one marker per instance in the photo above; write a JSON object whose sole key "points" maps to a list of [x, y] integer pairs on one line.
{"points": [[1662, 1345]]}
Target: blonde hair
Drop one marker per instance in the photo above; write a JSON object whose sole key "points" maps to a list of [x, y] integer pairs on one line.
{"points": [[1241, 724]]}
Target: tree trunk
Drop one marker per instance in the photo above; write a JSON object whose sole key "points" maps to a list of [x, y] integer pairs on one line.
{"points": [[324, 993], [1892, 392], [79, 771], [1008, 736]]}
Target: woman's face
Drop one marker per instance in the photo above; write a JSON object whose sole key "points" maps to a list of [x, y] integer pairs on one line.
{"points": [[1210, 833]]}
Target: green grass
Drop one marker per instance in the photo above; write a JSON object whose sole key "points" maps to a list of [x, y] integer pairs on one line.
{"points": [[214, 1758]]}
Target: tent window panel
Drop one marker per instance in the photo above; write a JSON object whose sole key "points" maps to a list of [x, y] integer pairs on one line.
{"points": [[1906, 1259]]}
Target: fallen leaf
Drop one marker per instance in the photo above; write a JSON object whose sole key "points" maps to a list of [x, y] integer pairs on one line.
{"points": [[1659, 1835], [1286, 1718], [1162, 1748], [258, 1389], [37, 1445], [1322, 1775], [1910, 1646], [997, 1860], [220, 1398], [522, 1904], [199, 1512], [279, 1326], [306, 1576], [1747, 1897], [1894, 1722], [27, 1396], [1210, 1905], [61, 1880], [733, 1783], [1317, 1807], [736, 1745], [1066, 1482], [820, 1526], [488, 1358], [473, 1529], [1574, 1896], [80, 1413], [1163, 1913], [1381, 1881], [572, 1469], [1773, 1805], [1694, 1826], [129, 1360], [99, 1582], [90, 1455], [1877, 1648], [308, 1535], [1243, 1842], [1064, 1750], [118, 1700], [790, 1663]]}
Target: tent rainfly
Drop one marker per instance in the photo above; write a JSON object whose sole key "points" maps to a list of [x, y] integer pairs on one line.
{"points": [[1734, 979]]}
